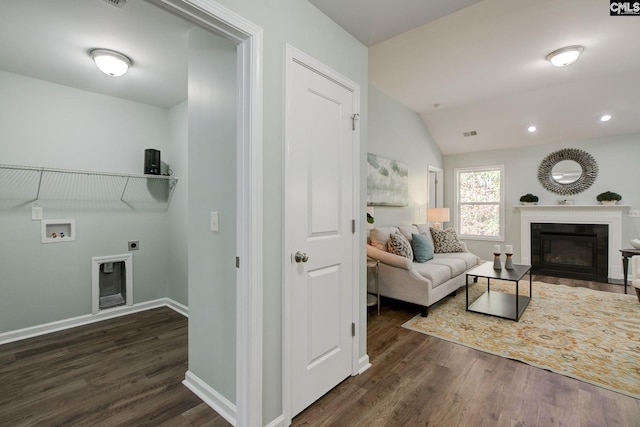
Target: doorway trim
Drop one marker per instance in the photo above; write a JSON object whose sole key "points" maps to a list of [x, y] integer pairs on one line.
{"points": [[293, 55], [435, 177], [248, 38]]}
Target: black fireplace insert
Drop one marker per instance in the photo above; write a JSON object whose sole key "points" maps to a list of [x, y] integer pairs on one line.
{"points": [[576, 251]]}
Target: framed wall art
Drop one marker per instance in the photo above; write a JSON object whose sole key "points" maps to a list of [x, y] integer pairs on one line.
{"points": [[387, 182]]}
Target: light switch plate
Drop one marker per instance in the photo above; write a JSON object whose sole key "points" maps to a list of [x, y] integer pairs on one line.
{"points": [[214, 221], [36, 213], [634, 213]]}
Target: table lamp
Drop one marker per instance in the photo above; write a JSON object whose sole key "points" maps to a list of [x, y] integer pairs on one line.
{"points": [[437, 215]]}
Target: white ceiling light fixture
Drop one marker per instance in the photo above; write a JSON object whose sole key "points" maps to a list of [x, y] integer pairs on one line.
{"points": [[565, 56], [532, 128], [605, 118], [110, 62]]}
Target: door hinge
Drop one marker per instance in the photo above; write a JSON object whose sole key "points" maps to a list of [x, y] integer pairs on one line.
{"points": [[354, 118], [237, 262], [353, 226], [353, 329]]}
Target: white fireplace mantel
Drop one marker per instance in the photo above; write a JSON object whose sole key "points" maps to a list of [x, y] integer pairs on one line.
{"points": [[610, 215]]}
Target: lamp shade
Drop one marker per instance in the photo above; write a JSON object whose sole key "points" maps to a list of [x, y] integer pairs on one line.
{"points": [[110, 62], [438, 215]]}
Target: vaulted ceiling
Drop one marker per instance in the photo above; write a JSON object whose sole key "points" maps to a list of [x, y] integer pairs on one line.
{"points": [[481, 67]]}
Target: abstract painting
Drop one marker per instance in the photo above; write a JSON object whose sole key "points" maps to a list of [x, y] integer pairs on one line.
{"points": [[387, 182]]}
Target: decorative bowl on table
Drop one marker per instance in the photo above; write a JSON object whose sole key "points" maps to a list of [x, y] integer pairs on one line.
{"points": [[635, 243]]}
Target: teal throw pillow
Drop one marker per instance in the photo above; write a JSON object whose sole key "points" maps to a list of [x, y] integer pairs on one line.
{"points": [[422, 249]]}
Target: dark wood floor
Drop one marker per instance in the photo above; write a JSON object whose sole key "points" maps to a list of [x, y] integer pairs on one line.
{"points": [[418, 380], [128, 372], [120, 372]]}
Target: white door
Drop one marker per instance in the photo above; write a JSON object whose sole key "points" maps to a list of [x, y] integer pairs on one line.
{"points": [[320, 210]]}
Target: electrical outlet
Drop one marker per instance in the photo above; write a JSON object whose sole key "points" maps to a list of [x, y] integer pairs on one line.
{"points": [[634, 213], [214, 221], [36, 213]]}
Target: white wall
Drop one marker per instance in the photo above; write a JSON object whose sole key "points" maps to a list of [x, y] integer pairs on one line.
{"points": [[178, 278], [212, 188], [617, 159], [304, 27], [44, 124], [398, 133]]}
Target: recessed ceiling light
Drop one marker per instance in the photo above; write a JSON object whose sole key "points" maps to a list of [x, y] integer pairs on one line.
{"points": [[565, 56], [605, 118], [532, 128], [110, 62]]}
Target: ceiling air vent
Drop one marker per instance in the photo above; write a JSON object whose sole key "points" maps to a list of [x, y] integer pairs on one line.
{"points": [[118, 3], [470, 133]]}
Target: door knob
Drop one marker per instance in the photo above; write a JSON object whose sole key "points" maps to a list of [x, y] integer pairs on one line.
{"points": [[301, 257]]}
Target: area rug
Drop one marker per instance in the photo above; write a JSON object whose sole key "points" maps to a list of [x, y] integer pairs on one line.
{"points": [[588, 335]]}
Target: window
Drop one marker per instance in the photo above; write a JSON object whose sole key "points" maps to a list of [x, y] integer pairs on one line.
{"points": [[480, 202]]}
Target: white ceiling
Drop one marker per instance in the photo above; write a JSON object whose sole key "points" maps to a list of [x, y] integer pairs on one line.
{"points": [[485, 66], [482, 61], [49, 40]]}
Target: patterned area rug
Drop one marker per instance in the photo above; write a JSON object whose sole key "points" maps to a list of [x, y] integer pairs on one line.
{"points": [[589, 335]]}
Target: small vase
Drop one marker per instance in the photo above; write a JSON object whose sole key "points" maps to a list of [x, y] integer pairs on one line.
{"points": [[609, 202], [508, 264], [497, 265]]}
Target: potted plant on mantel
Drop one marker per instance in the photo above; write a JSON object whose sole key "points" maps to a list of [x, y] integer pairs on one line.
{"points": [[608, 198], [529, 199]]}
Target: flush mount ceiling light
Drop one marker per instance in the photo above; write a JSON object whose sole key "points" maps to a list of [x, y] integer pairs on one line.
{"points": [[110, 62], [565, 56], [532, 128], [605, 118]]}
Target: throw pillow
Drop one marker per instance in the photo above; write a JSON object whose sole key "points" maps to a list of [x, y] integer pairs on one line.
{"points": [[422, 249], [446, 241], [379, 238], [399, 245]]}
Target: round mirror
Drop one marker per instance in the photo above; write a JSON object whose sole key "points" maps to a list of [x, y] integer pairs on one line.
{"points": [[567, 171]]}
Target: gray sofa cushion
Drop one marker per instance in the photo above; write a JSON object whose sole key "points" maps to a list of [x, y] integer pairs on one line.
{"points": [[436, 273], [469, 259]]}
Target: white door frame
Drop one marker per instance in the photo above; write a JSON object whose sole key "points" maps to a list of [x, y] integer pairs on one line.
{"points": [[248, 39], [438, 173], [294, 55]]}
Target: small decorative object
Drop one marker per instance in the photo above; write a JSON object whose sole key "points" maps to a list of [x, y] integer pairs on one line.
{"points": [[563, 202], [608, 198], [61, 234], [370, 219], [497, 265], [54, 235], [508, 264], [529, 199], [635, 243]]}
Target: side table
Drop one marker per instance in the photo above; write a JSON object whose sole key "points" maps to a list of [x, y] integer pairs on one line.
{"points": [[626, 254], [374, 299]]}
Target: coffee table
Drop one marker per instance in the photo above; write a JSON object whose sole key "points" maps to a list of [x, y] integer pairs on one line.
{"points": [[500, 304]]}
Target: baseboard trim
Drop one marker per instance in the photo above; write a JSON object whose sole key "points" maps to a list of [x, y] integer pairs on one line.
{"points": [[363, 364], [208, 395], [278, 422], [47, 328]]}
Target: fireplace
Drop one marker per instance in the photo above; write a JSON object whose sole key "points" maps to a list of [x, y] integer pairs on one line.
{"points": [[578, 251], [610, 216]]}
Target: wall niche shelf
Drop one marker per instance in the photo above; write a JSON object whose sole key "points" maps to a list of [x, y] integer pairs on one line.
{"points": [[34, 184]]}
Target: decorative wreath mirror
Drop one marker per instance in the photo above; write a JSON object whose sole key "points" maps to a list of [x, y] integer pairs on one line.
{"points": [[568, 171]]}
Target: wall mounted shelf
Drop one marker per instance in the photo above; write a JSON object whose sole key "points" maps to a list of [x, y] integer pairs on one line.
{"points": [[31, 183]]}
